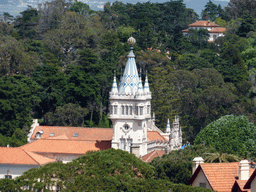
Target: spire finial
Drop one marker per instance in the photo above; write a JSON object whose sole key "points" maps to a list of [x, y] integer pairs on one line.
{"points": [[131, 41]]}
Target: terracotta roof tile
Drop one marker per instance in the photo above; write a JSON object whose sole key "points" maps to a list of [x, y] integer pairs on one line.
{"points": [[203, 24], [9, 155], [66, 146], [221, 176], [218, 30], [150, 156], [83, 133], [155, 136], [241, 184]]}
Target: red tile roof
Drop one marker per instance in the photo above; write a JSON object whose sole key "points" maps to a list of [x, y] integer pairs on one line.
{"points": [[221, 176], [185, 30], [150, 156], [155, 136], [69, 132], [217, 30], [66, 146], [18, 156], [203, 24]]}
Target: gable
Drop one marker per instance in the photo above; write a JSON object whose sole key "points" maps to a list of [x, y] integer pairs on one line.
{"points": [[201, 178]]}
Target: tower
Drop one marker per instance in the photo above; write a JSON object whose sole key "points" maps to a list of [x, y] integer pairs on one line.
{"points": [[130, 108]]}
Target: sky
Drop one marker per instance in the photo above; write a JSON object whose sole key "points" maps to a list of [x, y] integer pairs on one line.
{"points": [[14, 7]]}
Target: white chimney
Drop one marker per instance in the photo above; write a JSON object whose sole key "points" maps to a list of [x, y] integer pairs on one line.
{"points": [[243, 170], [196, 161]]}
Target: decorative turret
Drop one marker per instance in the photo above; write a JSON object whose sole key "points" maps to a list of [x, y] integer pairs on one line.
{"points": [[114, 89], [140, 88], [168, 127], [146, 85]]}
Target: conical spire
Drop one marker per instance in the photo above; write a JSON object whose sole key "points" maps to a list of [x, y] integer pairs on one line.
{"points": [[114, 85], [140, 89], [130, 80], [146, 85], [168, 127]]}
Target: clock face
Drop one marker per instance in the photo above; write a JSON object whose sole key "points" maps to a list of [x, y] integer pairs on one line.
{"points": [[126, 126]]}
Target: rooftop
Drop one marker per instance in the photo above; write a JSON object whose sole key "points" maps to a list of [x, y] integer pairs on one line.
{"points": [[19, 156]]}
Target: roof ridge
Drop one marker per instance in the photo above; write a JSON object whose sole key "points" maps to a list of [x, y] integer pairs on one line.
{"points": [[46, 126], [31, 156]]}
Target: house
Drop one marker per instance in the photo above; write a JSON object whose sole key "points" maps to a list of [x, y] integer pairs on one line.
{"points": [[215, 30], [15, 161], [134, 129], [221, 177]]}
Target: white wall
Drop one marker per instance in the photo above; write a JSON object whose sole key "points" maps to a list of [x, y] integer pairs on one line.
{"points": [[65, 158], [14, 170], [201, 179]]}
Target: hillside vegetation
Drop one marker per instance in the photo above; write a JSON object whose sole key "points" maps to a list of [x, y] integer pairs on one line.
{"points": [[61, 59]]}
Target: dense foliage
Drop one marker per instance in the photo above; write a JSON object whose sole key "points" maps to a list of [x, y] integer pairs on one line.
{"points": [[169, 166], [230, 134], [65, 54], [109, 170]]}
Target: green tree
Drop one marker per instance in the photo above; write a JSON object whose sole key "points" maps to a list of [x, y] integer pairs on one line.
{"points": [[210, 12], [230, 134], [68, 115]]}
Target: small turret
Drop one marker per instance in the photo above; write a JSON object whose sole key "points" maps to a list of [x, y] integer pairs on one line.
{"points": [[114, 86], [168, 127], [146, 85]]}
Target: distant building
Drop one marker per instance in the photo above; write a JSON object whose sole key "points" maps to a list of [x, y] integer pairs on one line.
{"points": [[214, 30]]}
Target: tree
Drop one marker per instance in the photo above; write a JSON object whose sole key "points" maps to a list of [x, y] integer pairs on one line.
{"points": [[18, 97], [210, 12], [106, 170], [69, 115], [230, 134], [170, 166], [236, 9], [220, 157], [246, 26]]}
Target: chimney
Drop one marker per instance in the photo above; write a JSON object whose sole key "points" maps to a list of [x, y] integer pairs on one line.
{"points": [[196, 161], [243, 173]]}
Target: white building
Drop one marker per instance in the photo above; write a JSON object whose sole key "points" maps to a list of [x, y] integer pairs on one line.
{"points": [[215, 30], [130, 113]]}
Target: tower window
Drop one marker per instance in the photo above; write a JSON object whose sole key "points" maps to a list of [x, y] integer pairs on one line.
{"points": [[141, 110], [136, 110], [129, 143], [130, 110], [122, 144], [148, 109], [111, 110], [126, 110], [122, 110], [115, 109]]}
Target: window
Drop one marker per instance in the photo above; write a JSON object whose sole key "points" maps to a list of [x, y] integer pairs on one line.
{"points": [[126, 110], [38, 135], [130, 110], [136, 110], [129, 143], [75, 135], [52, 134], [202, 185], [122, 144], [115, 109], [111, 110], [141, 110], [122, 110], [8, 177], [148, 109], [214, 37]]}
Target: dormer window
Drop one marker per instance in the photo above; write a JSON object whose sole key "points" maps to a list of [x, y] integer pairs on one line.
{"points": [[115, 109], [75, 135], [38, 135], [141, 110], [52, 134]]}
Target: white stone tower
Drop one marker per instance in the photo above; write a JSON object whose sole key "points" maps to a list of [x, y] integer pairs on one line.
{"points": [[130, 109], [176, 135]]}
